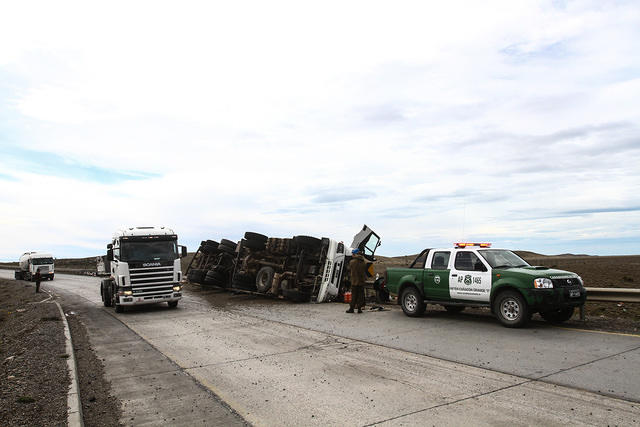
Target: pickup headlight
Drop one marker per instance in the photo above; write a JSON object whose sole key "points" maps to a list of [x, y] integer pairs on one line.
{"points": [[543, 283], [177, 288]]}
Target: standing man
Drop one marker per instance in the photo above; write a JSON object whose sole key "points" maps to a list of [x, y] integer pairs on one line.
{"points": [[358, 269], [37, 277]]}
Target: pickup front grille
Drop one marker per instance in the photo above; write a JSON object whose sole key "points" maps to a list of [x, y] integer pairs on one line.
{"points": [[151, 281], [566, 283]]}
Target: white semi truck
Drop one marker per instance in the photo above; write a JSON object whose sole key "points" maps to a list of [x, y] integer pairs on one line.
{"points": [[143, 264], [31, 262]]}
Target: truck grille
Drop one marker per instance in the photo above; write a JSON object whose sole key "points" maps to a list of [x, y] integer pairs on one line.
{"points": [[151, 281]]}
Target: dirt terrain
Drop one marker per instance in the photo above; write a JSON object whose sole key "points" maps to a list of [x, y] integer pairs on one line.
{"points": [[33, 361]]}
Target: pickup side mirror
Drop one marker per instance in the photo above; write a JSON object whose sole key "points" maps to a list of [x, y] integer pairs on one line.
{"points": [[183, 251]]}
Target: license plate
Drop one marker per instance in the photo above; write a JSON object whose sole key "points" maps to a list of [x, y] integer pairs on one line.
{"points": [[574, 293]]}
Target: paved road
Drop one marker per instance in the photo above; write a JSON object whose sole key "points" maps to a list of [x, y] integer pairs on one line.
{"points": [[287, 364]]}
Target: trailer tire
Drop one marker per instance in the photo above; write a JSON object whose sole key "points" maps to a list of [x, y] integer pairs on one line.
{"points": [[558, 316], [250, 235], [264, 279], [253, 244], [226, 249], [228, 243], [412, 302], [307, 241]]}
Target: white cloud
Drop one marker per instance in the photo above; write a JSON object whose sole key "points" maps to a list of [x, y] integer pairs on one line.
{"points": [[254, 113]]}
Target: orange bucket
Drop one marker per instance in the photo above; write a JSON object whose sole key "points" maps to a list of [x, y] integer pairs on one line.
{"points": [[347, 297]]}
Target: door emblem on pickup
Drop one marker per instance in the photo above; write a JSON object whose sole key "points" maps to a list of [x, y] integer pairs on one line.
{"points": [[467, 279], [436, 280]]}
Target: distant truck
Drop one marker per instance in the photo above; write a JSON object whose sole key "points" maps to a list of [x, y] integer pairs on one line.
{"points": [[143, 264], [473, 274], [301, 268], [31, 262]]}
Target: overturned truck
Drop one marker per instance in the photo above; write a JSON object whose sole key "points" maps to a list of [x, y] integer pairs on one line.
{"points": [[300, 268]]}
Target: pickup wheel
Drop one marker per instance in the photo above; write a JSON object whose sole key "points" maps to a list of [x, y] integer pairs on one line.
{"points": [[172, 304], [512, 309], [454, 308], [412, 302], [557, 316]]}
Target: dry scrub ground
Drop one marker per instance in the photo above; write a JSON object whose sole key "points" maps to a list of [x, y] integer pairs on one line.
{"points": [[33, 363]]}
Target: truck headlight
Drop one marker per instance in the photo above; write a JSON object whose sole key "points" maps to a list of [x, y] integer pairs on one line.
{"points": [[177, 288], [128, 293], [543, 283]]}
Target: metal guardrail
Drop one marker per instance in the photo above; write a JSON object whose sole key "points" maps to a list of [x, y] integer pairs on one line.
{"points": [[613, 295]]}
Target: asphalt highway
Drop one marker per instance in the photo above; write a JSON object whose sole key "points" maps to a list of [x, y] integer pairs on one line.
{"points": [[277, 363]]}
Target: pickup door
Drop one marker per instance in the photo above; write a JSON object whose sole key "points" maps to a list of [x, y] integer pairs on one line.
{"points": [[470, 278], [436, 278]]}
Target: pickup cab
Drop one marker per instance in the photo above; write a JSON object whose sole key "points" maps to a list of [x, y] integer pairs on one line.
{"points": [[475, 275]]}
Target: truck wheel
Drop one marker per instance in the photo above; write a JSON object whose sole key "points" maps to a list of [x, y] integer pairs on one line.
{"points": [[51, 277], [264, 279], [253, 244], [228, 243], [307, 241], [454, 308], [119, 308], [412, 302], [249, 235], [512, 310], [557, 316], [107, 299], [172, 304]]}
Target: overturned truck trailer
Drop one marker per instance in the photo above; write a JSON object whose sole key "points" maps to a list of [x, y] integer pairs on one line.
{"points": [[301, 268]]}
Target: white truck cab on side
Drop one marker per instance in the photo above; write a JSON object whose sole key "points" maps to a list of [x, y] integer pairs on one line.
{"points": [[143, 264]]}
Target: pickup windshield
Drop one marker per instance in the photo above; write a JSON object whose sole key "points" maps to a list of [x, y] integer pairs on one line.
{"points": [[149, 251], [500, 258]]}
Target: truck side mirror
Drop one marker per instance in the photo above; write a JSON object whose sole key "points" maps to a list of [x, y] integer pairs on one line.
{"points": [[109, 254], [183, 252], [109, 246]]}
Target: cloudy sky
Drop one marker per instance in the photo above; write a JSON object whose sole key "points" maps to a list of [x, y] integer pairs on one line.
{"points": [[514, 122]]}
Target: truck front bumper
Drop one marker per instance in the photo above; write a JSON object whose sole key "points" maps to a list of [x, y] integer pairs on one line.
{"points": [[135, 300], [556, 298]]}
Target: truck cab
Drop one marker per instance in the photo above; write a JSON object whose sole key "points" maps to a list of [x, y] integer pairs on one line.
{"points": [[143, 264], [474, 274], [32, 262]]}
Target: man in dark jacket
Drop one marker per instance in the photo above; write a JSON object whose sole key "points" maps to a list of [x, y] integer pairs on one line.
{"points": [[37, 277], [358, 269]]}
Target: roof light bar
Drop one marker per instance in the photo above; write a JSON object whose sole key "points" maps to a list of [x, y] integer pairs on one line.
{"points": [[466, 245]]}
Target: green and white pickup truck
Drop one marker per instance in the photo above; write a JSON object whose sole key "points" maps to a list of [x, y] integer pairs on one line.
{"points": [[475, 275]]}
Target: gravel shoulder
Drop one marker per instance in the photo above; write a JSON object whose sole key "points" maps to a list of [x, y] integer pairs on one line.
{"points": [[99, 406], [33, 366]]}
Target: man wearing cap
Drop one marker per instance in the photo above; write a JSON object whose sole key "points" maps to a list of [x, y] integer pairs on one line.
{"points": [[358, 269]]}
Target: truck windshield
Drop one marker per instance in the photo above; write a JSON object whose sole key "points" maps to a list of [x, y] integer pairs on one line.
{"points": [[499, 258], [149, 251], [41, 261]]}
